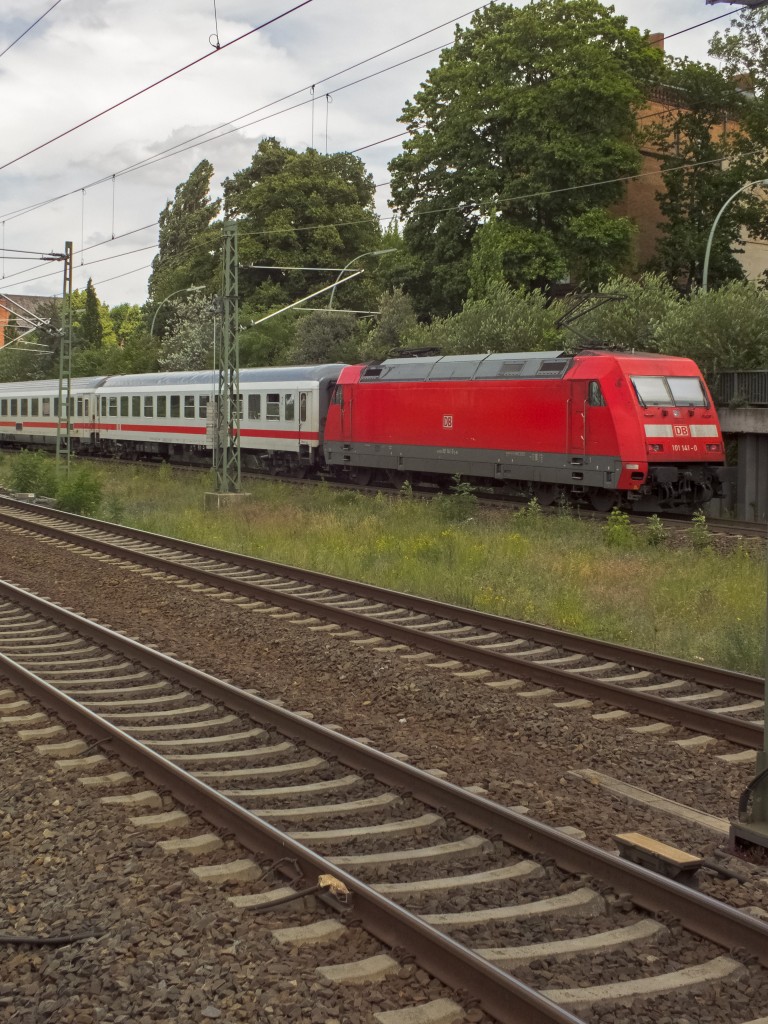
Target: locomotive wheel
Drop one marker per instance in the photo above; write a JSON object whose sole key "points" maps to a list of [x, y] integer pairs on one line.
{"points": [[602, 501], [545, 494], [361, 476]]}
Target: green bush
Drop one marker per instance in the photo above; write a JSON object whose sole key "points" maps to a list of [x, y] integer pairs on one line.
{"points": [[618, 530], [654, 531], [33, 473], [80, 492]]}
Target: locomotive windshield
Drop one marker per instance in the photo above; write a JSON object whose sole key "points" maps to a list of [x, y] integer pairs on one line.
{"points": [[669, 391]]}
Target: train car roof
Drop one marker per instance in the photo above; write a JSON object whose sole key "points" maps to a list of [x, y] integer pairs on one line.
{"points": [[248, 375], [489, 366], [77, 384]]}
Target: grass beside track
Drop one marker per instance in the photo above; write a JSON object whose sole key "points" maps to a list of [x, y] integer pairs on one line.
{"points": [[690, 599]]}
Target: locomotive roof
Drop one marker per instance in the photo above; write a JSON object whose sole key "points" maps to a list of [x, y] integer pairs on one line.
{"points": [[490, 366], [248, 375]]}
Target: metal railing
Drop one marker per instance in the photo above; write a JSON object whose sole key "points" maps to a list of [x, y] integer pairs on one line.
{"points": [[741, 388]]}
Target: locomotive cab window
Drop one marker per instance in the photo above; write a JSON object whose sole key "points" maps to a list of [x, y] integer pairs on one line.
{"points": [[669, 391], [595, 394], [687, 391], [273, 407]]}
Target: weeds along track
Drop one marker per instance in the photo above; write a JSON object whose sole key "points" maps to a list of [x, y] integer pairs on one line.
{"points": [[500, 653], [520, 919]]}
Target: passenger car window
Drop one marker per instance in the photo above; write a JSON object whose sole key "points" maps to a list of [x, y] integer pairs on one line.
{"points": [[290, 407], [162, 403], [123, 405], [175, 406], [149, 401], [254, 407], [189, 407], [273, 407], [136, 405]]}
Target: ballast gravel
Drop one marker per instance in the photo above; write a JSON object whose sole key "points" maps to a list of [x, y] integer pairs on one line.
{"points": [[519, 750]]}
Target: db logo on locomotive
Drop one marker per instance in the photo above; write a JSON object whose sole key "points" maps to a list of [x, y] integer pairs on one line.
{"points": [[681, 430], [447, 421]]}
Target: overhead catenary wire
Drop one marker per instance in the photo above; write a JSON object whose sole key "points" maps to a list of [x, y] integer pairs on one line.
{"points": [[29, 28], [153, 85], [478, 203], [226, 129]]}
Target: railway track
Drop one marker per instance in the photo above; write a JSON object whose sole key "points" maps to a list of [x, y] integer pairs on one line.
{"points": [[501, 653], [484, 898]]}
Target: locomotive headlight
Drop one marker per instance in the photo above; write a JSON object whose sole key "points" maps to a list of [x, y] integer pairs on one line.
{"points": [[714, 447], [632, 465], [655, 447]]}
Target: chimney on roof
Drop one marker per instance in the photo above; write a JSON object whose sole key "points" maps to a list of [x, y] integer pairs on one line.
{"points": [[656, 39]]}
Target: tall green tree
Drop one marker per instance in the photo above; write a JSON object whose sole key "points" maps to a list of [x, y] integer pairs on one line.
{"points": [[91, 328], [707, 151], [302, 210], [524, 114], [189, 244]]}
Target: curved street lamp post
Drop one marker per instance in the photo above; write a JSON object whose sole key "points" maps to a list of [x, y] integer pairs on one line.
{"points": [[721, 211], [192, 288], [375, 252]]}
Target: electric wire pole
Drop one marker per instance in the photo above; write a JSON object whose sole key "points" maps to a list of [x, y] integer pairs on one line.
{"points": [[64, 411], [227, 447]]}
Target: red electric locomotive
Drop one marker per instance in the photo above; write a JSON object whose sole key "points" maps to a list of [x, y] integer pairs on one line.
{"points": [[598, 426]]}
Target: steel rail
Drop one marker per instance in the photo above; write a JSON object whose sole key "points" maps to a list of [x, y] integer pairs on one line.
{"points": [[735, 730], [710, 675], [720, 923], [500, 994]]}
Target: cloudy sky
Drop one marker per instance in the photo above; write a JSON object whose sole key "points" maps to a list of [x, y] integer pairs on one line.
{"points": [[85, 56]]}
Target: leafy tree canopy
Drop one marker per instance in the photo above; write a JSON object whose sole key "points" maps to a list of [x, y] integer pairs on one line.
{"points": [[503, 320], [189, 243], [188, 342], [723, 329], [302, 210], [526, 106], [709, 143]]}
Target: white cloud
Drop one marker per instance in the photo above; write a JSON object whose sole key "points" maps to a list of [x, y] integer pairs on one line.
{"points": [[86, 56]]}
